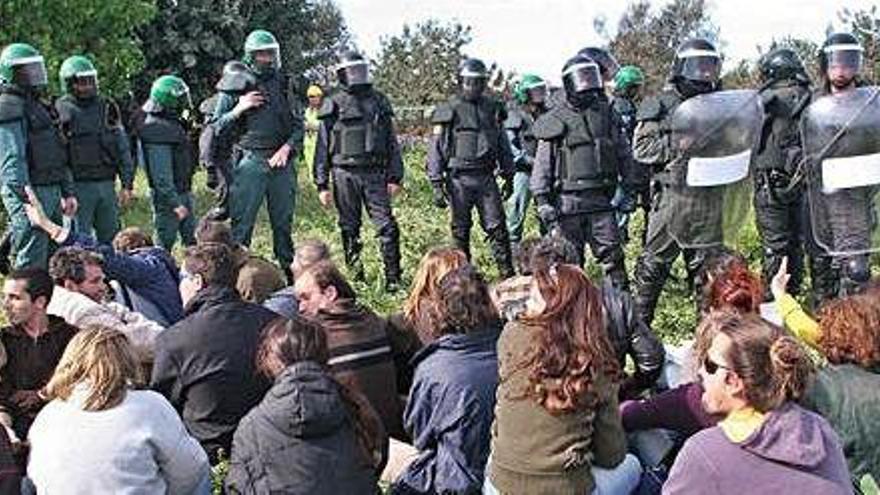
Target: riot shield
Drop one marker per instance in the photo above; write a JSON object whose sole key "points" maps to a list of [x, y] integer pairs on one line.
{"points": [[715, 136], [841, 139]]}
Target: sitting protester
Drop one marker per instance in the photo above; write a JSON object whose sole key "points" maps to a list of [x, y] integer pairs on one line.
{"points": [[310, 435], [33, 343], [80, 294], [99, 434], [556, 420], [360, 351], [205, 364], [308, 253], [752, 374], [451, 404]]}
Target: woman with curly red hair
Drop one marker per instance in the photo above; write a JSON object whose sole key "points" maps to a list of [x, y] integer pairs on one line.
{"points": [[556, 417]]}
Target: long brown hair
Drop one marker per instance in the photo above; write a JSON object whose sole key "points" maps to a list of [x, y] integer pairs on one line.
{"points": [[572, 347], [100, 358], [466, 305], [851, 330], [289, 341], [421, 309]]}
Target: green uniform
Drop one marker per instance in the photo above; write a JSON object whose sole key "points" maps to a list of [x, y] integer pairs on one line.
{"points": [[260, 133], [31, 153], [98, 152]]}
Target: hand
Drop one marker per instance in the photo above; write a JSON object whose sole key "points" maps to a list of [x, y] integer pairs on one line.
{"points": [[248, 101], [125, 197], [279, 159], [181, 212], [26, 400], [507, 188], [440, 197], [34, 209], [780, 281], [69, 206], [326, 199], [394, 189]]}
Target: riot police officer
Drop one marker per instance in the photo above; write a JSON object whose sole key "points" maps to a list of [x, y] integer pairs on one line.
{"points": [[32, 153], [467, 147], [530, 103], [97, 148], [268, 129], [695, 71], [581, 154], [628, 83], [170, 159], [357, 145], [779, 194]]}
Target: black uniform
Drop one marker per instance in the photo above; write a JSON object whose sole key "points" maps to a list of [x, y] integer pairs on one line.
{"points": [[357, 142], [467, 147], [581, 155], [627, 110]]}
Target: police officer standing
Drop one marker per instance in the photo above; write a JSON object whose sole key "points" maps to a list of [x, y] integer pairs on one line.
{"points": [[467, 146], [530, 103], [695, 71], [780, 198], [628, 83], [32, 153], [268, 125], [97, 148], [357, 145], [169, 158], [581, 154]]}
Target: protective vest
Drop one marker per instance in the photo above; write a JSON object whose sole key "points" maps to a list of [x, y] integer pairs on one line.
{"points": [[780, 145], [92, 147], [475, 128], [522, 123], [626, 110], [360, 130], [45, 147], [158, 129], [268, 126], [587, 156]]}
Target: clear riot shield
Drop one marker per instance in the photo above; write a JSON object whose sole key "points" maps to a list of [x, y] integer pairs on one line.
{"points": [[841, 139], [716, 135]]}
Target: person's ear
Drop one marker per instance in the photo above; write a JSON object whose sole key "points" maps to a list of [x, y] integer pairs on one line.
{"points": [[734, 384], [41, 302], [199, 281], [331, 292], [70, 285]]}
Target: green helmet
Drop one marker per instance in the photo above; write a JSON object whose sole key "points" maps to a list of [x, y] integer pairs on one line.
{"points": [[261, 41], [628, 75], [80, 68], [168, 93], [527, 83], [22, 65]]}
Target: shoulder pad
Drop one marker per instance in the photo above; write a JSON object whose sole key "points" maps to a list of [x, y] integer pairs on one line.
{"points": [[548, 127], [514, 120], [442, 114], [328, 108], [11, 107]]}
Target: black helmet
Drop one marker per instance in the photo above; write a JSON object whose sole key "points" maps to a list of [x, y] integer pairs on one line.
{"points": [[841, 49], [697, 60], [608, 65], [782, 64], [352, 69], [472, 78], [581, 74]]}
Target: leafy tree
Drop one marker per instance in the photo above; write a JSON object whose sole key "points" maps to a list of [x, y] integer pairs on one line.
{"points": [[865, 25], [99, 29], [419, 66]]}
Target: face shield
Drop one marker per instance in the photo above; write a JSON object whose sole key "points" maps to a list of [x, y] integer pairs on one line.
{"points": [[266, 58], [354, 73], [29, 72], [85, 84], [699, 65], [472, 87], [537, 95], [844, 63], [582, 77]]}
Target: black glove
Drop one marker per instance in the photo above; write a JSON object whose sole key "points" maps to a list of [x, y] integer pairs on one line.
{"points": [[440, 196], [627, 203], [213, 179], [507, 188]]}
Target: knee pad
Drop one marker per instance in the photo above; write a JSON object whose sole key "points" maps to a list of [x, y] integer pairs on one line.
{"points": [[857, 269]]}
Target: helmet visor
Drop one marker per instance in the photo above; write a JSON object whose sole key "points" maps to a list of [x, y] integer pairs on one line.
{"points": [[354, 73], [29, 72], [473, 87], [85, 84], [847, 57], [266, 58], [699, 65], [537, 94], [582, 77]]}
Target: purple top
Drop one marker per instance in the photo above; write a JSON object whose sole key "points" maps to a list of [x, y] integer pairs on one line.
{"points": [[679, 409]]}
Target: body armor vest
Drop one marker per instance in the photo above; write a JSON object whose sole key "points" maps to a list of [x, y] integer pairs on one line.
{"points": [[92, 144], [268, 126], [780, 144], [588, 158], [361, 130], [522, 124], [44, 147], [475, 133], [158, 129]]}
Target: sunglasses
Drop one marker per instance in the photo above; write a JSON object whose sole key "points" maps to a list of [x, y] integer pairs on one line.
{"points": [[712, 367]]}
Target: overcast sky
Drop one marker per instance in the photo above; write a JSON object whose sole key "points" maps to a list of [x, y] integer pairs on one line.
{"points": [[538, 35]]}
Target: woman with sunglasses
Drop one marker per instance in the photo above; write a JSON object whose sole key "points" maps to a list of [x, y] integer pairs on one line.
{"points": [[752, 374]]}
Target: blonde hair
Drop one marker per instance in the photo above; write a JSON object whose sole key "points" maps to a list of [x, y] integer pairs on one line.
{"points": [[100, 358], [420, 308]]}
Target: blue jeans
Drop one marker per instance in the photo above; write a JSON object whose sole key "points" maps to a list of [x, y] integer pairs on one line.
{"points": [[619, 480]]}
